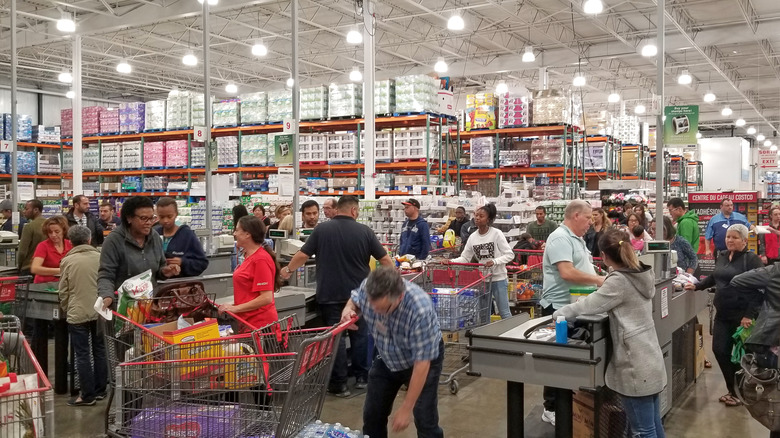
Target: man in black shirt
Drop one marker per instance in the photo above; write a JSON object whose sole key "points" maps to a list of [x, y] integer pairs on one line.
{"points": [[344, 249]]}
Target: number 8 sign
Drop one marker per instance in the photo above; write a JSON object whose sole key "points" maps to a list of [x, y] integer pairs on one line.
{"points": [[199, 133]]}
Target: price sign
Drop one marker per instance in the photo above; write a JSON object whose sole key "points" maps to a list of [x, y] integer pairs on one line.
{"points": [[6, 146], [199, 133], [288, 126]]}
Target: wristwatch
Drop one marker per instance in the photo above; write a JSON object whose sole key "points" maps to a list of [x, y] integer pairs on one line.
{"points": [[287, 268]]}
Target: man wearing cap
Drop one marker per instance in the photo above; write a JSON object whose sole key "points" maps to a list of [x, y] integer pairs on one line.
{"points": [[415, 234], [6, 208]]}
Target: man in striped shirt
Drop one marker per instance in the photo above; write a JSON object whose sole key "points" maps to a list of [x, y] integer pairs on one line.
{"points": [[402, 319]]}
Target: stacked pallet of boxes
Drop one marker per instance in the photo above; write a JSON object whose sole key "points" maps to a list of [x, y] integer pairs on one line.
{"points": [[225, 113], [66, 122], [227, 151], [178, 111], [23, 127], [345, 100], [198, 109], [557, 107], [111, 156], [90, 120], [416, 94], [626, 129], [342, 148], [594, 156], [598, 123], [279, 106], [132, 117], [481, 111], [46, 134], [416, 144], [254, 108], [483, 150], [312, 148], [384, 97], [314, 103], [254, 150], [154, 154], [383, 146], [131, 155], [514, 152], [513, 111], [154, 114], [109, 120], [176, 153], [547, 152]]}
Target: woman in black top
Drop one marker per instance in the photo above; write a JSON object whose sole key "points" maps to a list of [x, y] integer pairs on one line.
{"points": [[601, 223], [733, 308]]}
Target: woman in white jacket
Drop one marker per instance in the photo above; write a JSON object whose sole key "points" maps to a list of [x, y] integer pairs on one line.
{"points": [[490, 248]]}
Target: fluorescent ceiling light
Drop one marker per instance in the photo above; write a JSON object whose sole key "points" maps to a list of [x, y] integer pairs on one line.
{"points": [[65, 77], [290, 82], [684, 78], [529, 56], [773, 148], [70, 94], [211, 2], [740, 122], [751, 130], [760, 137], [698, 135], [649, 49], [441, 66], [355, 75], [456, 23], [259, 49], [231, 88], [614, 97], [640, 109], [579, 80], [593, 7], [123, 67], [174, 92], [709, 97], [66, 24], [354, 37], [189, 59], [502, 88], [726, 111]]}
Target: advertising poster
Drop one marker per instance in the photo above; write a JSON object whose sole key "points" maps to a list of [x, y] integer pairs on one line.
{"points": [[707, 205], [284, 149], [681, 124]]}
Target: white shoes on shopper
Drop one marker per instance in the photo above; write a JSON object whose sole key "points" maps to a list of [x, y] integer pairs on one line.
{"points": [[548, 417]]}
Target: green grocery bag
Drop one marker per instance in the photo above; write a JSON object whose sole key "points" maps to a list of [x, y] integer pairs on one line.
{"points": [[739, 337]]}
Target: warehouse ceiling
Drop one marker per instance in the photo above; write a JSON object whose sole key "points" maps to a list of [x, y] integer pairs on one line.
{"points": [[730, 47]]}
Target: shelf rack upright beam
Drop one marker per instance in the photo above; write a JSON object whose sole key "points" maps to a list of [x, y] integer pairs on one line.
{"points": [[296, 107], [78, 164], [210, 149], [369, 68], [659, 153], [14, 122]]}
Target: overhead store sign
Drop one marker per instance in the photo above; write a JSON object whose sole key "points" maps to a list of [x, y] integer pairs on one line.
{"points": [[767, 158], [284, 149], [681, 125]]}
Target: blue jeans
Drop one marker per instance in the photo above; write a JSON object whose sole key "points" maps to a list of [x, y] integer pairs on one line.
{"points": [[90, 353], [358, 341], [500, 294], [383, 386], [644, 416]]}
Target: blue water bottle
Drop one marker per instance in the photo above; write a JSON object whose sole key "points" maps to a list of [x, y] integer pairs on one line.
{"points": [[561, 330]]}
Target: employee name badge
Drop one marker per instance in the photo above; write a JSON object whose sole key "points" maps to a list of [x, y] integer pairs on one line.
{"points": [[484, 252]]}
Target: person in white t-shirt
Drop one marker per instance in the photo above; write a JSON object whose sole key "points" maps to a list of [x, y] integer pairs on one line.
{"points": [[490, 248]]}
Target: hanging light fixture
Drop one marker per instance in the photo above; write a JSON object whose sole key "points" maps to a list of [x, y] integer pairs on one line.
{"points": [[614, 97], [189, 59], [211, 2], [528, 55], [740, 122], [593, 6], [649, 49], [760, 137], [65, 77], [174, 92], [354, 37], [640, 109], [502, 88], [231, 88], [767, 143], [709, 97], [290, 82], [259, 49], [726, 111], [70, 94], [684, 78], [751, 130], [66, 24], [456, 22], [441, 66], [773, 148], [579, 80], [355, 75], [123, 67]]}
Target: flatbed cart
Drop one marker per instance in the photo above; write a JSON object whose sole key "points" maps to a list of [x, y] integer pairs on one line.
{"points": [[461, 296], [26, 396], [270, 383]]}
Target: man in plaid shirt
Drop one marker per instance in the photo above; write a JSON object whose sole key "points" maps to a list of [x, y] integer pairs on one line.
{"points": [[401, 317]]}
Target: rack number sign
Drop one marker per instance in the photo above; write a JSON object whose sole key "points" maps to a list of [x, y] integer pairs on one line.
{"points": [[6, 146], [288, 126], [199, 133]]}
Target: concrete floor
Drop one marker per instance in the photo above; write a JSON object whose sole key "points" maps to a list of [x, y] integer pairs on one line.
{"points": [[479, 410]]}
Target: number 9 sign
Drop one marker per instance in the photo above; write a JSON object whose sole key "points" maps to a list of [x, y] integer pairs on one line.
{"points": [[287, 126]]}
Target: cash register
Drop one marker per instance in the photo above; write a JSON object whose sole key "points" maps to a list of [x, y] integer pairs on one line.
{"points": [[659, 255]]}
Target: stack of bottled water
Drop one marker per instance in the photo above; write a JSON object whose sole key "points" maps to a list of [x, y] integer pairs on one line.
{"points": [[318, 429]]}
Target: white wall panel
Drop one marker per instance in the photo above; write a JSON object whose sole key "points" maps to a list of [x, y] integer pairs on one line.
{"points": [[27, 104]]}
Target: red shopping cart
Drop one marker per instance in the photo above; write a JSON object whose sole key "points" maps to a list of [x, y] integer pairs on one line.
{"points": [[268, 383], [26, 396], [13, 296]]}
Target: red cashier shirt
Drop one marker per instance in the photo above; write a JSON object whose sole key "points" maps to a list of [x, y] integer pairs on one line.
{"points": [[256, 274], [51, 258]]}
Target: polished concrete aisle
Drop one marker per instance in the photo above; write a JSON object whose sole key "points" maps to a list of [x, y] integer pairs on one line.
{"points": [[479, 410]]}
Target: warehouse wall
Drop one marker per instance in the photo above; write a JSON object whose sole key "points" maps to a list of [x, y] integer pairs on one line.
{"points": [[27, 104], [728, 164]]}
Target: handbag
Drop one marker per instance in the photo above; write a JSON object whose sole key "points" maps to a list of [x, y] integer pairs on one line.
{"points": [[758, 388], [182, 299]]}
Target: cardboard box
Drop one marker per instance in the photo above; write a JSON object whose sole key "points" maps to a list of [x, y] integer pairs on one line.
{"points": [[449, 336], [583, 415]]}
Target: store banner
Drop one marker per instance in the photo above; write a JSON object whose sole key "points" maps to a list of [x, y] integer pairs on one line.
{"points": [[681, 125], [767, 158], [284, 149]]}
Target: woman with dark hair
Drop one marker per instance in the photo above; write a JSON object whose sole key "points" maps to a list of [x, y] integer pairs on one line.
{"points": [[642, 212], [769, 244], [732, 308], [259, 212], [636, 369], [686, 258], [239, 211], [132, 249], [257, 278], [601, 223], [633, 220], [490, 248], [49, 253]]}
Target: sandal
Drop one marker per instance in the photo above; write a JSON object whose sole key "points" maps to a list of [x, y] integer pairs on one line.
{"points": [[723, 398], [708, 364], [733, 401]]}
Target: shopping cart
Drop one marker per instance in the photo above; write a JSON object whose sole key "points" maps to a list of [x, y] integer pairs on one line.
{"points": [[228, 387], [445, 253], [526, 279], [13, 296], [27, 406], [461, 296]]}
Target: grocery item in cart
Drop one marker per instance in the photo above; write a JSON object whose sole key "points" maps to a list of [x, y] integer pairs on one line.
{"points": [[133, 290], [188, 420]]}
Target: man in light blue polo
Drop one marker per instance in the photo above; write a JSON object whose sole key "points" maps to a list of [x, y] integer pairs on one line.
{"points": [[715, 234], [567, 263]]}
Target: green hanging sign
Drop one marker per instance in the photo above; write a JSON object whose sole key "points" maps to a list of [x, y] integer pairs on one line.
{"points": [[681, 124], [284, 149]]}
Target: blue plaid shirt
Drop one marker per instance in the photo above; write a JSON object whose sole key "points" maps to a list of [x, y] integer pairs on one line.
{"points": [[408, 334]]}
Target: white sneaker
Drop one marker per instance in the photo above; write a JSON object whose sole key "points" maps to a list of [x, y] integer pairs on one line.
{"points": [[548, 417]]}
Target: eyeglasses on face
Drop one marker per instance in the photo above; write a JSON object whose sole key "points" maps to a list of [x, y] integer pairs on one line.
{"points": [[146, 219]]}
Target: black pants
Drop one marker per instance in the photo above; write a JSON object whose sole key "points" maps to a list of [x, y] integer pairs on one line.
{"points": [[722, 344], [549, 392], [358, 340]]}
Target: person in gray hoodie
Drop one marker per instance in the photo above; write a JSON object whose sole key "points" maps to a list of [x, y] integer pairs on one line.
{"points": [[636, 369], [132, 249]]}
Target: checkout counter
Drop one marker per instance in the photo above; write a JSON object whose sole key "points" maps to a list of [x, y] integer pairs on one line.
{"points": [[508, 350]]}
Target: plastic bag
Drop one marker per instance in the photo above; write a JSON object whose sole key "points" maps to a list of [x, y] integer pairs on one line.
{"points": [[139, 287], [449, 239], [739, 336]]}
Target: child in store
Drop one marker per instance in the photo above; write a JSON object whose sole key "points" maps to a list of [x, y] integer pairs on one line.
{"points": [[638, 238]]}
